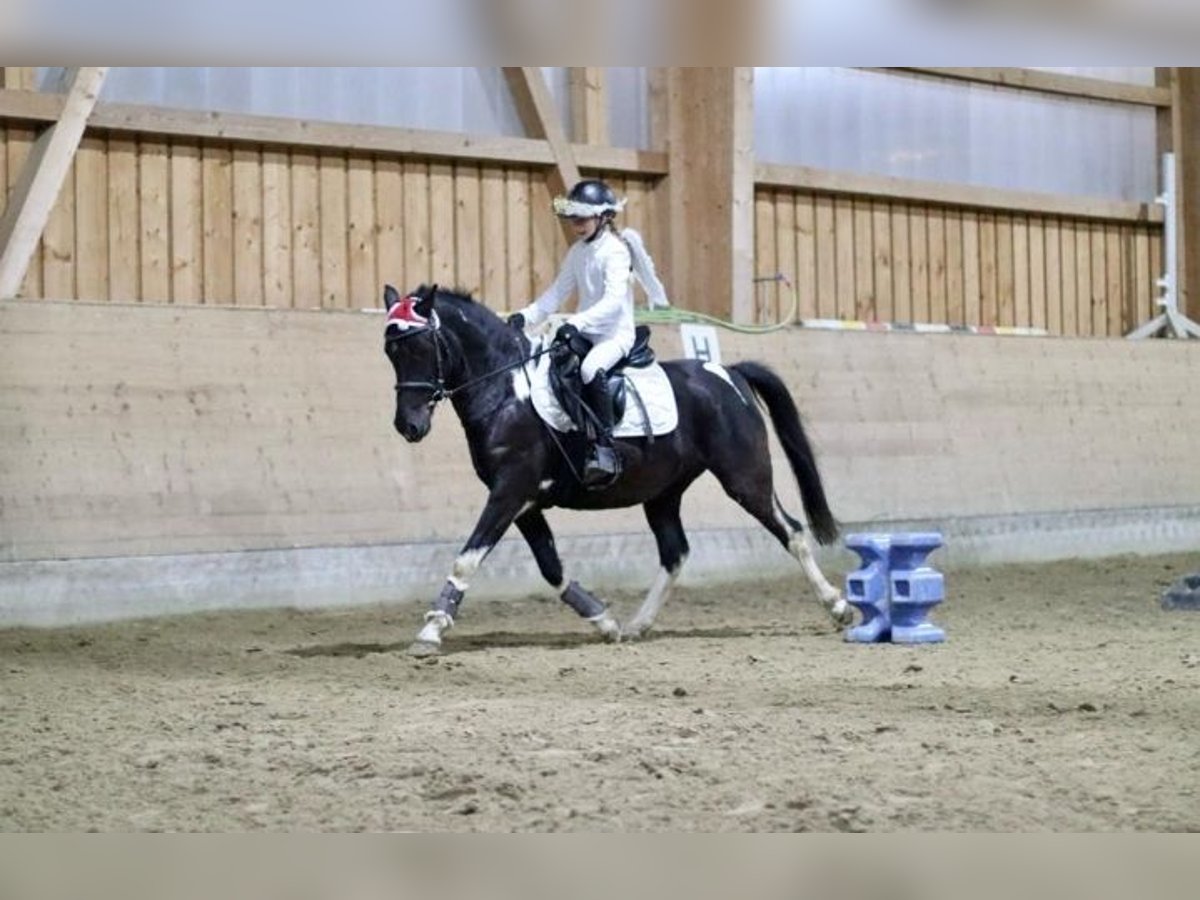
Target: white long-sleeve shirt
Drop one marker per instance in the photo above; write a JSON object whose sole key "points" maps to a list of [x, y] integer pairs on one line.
{"points": [[600, 272]]}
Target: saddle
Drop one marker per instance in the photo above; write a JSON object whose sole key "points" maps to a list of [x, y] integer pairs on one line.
{"points": [[567, 382]]}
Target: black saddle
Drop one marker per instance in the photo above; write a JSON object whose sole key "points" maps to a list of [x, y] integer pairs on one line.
{"points": [[567, 382]]}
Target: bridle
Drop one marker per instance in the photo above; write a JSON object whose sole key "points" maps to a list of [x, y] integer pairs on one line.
{"points": [[437, 388]]}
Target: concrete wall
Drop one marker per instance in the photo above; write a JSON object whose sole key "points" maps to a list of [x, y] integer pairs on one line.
{"points": [[170, 458]]}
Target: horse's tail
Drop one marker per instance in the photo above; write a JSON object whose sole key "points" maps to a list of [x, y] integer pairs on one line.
{"points": [[775, 396]]}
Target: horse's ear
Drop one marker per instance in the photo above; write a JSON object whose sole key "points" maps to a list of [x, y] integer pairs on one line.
{"points": [[391, 296], [424, 306]]}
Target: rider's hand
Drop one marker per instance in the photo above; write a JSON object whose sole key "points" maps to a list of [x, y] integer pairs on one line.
{"points": [[516, 321], [566, 333]]}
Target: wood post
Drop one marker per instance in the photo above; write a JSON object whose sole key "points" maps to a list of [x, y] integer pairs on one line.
{"points": [[35, 192], [1186, 140], [589, 105], [711, 190]]}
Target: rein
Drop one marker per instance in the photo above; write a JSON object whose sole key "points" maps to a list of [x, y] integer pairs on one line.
{"points": [[438, 390]]}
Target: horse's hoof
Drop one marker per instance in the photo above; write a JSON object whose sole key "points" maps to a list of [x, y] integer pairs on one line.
{"points": [[422, 649], [843, 616], [634, 631]]}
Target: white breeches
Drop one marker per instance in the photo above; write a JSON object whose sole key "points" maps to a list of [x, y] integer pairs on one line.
{"points": [[604, 355]]}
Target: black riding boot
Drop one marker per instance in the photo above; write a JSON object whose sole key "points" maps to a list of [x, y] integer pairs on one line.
{"points": [[603, 466]]}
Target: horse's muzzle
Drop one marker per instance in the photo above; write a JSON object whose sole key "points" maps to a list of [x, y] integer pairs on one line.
{"points": [[411, 431]]}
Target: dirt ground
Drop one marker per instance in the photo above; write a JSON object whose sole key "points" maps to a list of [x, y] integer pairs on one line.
{"points": [[1064, 699]]}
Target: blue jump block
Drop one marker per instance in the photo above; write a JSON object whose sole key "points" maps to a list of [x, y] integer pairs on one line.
{"points": [[867, 588], [894, 589], [916, 588]]}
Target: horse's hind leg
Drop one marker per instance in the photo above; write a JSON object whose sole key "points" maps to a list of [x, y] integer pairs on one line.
{"points": [[536, 531], [663, 515], [754, 493]]}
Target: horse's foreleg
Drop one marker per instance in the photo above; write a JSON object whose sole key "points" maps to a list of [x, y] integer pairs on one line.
{"points": [[497, 515], [663, 515], [536, 531]]}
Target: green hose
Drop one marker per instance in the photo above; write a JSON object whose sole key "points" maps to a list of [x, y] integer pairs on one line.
{"points": [[676, 316]]}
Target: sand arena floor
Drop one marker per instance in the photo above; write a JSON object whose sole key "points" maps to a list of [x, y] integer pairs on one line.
{"points": [[1064, 699]]}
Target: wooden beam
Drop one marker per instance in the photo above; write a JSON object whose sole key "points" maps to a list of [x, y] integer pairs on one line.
{"points": [[711, 190], [887, 187], [535, 106], [589, 105], [38, 186], [1046, 83], [656, 88], [1186, 128], [284, 132]]}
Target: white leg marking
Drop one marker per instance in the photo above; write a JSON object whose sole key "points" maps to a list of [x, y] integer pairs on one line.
{"points": [[659, 593], [466, 565], [831, 598]]}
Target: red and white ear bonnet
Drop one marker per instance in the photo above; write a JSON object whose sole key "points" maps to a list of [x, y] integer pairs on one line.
{"points": [[404, 316]]}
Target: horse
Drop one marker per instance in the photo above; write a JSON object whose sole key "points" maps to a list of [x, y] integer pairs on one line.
{"points": [[444, 345]]}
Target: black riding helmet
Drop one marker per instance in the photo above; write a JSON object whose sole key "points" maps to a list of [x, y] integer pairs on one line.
{"points": [[590, 197]]}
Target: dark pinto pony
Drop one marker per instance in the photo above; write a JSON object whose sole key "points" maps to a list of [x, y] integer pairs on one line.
{"points": [[443, 345]]}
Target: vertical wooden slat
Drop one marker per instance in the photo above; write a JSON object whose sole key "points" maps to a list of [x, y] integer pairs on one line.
{"points": [[20, 143], [865, 304], [335, 283], [826, 244], [843, 222], [1143, 281], [247, 227], [785, 253], [806, 257], [937, 267], [124, 226], [765, 263], [1116, 262], [306, 227], [1021, 312], [91, 218], [1005, 272], [955, 269], [520, 278], [278, 290], [468, 228], [441, 223], [918, 248], [902, 284], [1083, 279], [972, 273], [1100, 284], [1037, 272], [187, 228], [154, 186], [389, 208], [493, 223], [546, 236], [988, 282], [58, 243], [217, 164], [361, 230], [1070, 280], [416, 223], [1054, 286]]}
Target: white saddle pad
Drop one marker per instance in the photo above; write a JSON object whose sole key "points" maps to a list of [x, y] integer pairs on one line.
{"points": [[651, 383]]}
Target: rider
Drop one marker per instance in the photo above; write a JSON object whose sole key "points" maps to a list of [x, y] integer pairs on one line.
{"points": [[598, 266]]}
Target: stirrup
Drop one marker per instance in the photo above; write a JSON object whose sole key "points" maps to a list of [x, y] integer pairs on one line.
{"points": [[602, 468]]}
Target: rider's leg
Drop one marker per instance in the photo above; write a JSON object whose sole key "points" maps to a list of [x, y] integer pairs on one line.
{"points": [[603, 465]]}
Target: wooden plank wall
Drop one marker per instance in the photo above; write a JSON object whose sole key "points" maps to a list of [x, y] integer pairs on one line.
{"points": [[878, 260], [200, 222]]}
